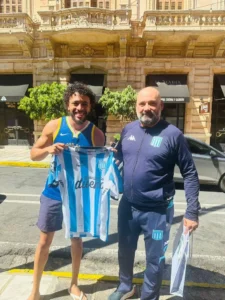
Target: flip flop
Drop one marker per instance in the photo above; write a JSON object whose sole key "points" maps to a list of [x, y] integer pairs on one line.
{"points": [[75, 297]]}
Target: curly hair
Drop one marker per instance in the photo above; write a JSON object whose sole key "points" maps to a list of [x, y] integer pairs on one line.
{"points": [[82, 89]]}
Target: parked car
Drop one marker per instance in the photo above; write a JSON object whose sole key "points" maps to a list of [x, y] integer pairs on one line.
{"points": [[209, 162]]}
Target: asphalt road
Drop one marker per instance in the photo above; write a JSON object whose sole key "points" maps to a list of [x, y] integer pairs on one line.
{"points": [[20, 189]]}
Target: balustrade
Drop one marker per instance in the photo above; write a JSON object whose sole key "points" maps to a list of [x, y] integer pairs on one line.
{"points": [[188, 19], [89, 17]]}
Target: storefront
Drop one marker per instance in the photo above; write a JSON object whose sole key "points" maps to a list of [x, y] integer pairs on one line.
{"points": [[218, 113], [96, 81], [15, 126], [174, 93]]}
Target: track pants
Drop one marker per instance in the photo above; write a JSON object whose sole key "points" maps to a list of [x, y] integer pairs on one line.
{"points": [[156, 227]]}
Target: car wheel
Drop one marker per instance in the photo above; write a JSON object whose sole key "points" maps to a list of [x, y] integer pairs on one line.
{"points": [[222, 183]]}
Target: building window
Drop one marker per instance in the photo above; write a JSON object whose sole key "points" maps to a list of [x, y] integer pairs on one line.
{"points": [[10, 6], [107, 5], [81, 4], [179, 5], [174, 107], [173, 5], [93, 3], [100, 4], [174, 114], [123, 6], [74, 4], [166, 5], [159, 5], [87, 4]]}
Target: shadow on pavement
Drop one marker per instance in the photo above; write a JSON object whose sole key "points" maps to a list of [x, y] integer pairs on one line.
{"points": [[63, 254], [193, 274], [196, 275], [58, 294], [2, 198]]}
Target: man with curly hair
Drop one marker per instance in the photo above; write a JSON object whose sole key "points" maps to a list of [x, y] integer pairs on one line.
{"points": [[76, 129]]}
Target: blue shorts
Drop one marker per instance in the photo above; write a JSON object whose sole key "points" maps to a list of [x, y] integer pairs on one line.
{"points": [[50, 216]]}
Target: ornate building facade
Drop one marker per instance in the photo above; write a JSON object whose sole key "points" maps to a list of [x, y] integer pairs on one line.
{"points": [[173, 45]]}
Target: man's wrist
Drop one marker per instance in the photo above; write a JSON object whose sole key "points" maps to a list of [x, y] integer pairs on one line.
{"points": [[193, 216]]}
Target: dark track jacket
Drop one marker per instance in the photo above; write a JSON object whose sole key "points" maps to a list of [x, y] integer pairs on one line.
{"points": [[149, 155]]}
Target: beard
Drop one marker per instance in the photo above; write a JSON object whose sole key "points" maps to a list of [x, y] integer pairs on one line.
{"points": [[149, 119], [77, 120]]}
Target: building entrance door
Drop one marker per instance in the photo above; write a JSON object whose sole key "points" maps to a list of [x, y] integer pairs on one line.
{"points": [[15, 126]]}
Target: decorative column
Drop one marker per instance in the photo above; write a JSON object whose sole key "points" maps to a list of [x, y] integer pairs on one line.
{"points": [[123, 54]]}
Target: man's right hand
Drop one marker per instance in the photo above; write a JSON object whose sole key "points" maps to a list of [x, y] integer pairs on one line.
{"points": [[56, 148]]}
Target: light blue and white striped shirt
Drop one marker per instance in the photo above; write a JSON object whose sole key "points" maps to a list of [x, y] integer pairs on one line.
{"points": [[87, 177]]}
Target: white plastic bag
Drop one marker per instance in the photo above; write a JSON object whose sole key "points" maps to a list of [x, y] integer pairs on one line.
{"points": [[179, 261]]}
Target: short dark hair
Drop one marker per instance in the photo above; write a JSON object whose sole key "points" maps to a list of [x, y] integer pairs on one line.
{"points": [[82, 89]]}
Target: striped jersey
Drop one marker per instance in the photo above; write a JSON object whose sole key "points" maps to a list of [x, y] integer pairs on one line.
{"points": [[87, 177], [65, 134]]}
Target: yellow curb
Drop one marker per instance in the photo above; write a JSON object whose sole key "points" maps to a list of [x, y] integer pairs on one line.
{"points": [[100, 277], [24, 164]]}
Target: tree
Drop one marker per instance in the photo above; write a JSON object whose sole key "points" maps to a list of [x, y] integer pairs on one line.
{"points": [[45, 102], [120, 104]]}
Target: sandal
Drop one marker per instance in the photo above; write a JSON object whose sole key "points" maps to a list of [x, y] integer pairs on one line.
{"points": [[75, 297]]}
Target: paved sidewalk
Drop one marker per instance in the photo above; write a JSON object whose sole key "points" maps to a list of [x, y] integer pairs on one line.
{"points": [[18, 286], [20, 156]]}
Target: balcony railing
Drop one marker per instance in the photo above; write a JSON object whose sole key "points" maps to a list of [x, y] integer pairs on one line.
{"points": [[85, 18], [184, 20], [16, 23]]}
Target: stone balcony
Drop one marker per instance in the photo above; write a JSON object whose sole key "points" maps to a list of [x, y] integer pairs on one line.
{"points": [[16, 23], [187, 20], [85, 18]]}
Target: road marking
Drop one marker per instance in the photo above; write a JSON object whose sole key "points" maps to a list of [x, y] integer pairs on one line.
{"points": [[20, 201], [24, 195], [101, 277], [37, 202], [113, 206], [25, 164], [202, 204], [202, 212]]}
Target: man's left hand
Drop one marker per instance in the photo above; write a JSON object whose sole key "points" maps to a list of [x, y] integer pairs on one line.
{"points": [[190, 225]]}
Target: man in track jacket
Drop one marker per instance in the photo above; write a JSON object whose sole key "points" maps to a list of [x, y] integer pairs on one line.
{"points": [[150, 148]]}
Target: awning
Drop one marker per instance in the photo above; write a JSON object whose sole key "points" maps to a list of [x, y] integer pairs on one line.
{"points": [[97, 90], [12, 93], [172, 87], [173, 93], [222, 83]]}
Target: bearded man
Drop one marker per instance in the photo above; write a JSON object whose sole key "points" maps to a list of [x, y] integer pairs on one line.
{"points": [[149, 149]]}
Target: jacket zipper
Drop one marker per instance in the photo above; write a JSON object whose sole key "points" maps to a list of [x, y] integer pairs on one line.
{"points": [[135, 165]]}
